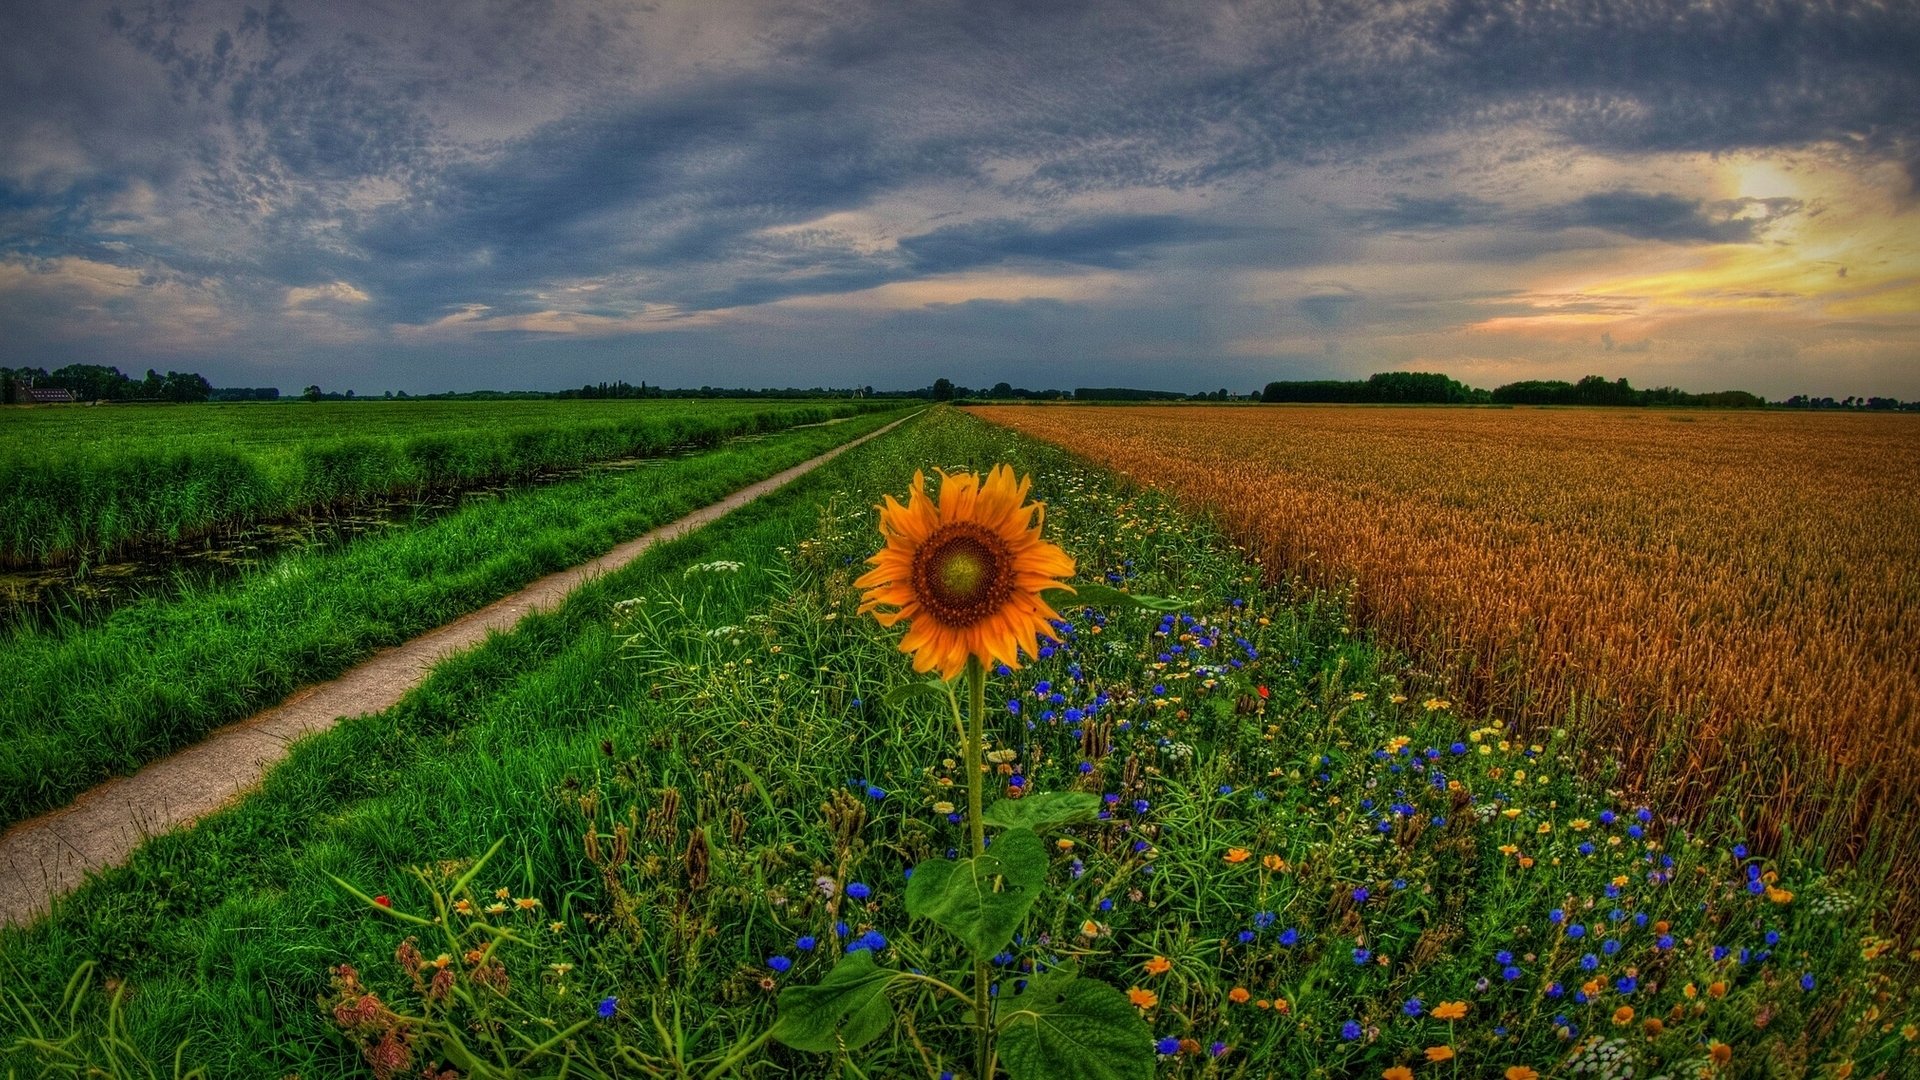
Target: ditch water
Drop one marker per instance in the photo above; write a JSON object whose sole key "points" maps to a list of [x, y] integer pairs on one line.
{"points": [[47, 596]]}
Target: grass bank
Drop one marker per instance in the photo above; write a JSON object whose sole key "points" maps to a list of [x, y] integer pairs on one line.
{"points": [[89, 701], [79, 483], [1307, 863]]}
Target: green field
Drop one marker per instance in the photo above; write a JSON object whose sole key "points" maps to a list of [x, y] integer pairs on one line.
{"points": [[88, 701], [79, 482], [684, 773]]}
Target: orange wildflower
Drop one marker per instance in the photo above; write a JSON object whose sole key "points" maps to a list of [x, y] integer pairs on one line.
{"points": [[1238, 855], [1450, 1010], [1623, 1015], [1443, 1052], [1238, 995], [1144, 999], [1397, 1072], [1159, 965], [1521, 1072]]}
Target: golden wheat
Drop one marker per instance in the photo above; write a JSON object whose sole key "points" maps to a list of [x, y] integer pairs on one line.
{"points": [[1732, 600]]}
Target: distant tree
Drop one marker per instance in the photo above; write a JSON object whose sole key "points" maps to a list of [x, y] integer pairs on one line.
{"points": [[311, 393], [943, 389]]}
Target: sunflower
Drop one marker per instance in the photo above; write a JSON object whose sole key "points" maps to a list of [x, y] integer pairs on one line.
{"points": [[965, 572]]}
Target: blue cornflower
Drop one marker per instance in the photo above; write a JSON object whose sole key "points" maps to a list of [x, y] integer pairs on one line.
{"points": [[872, 939], [1589, 962], [1412, 1007], [1557, 916], [1607, 818], [1263, 920], [1246, 936], [1806, 981], [1360, 956], [1289, 937], [607, 1005], [876, 793], [1612, 946], [859, 891], [1350, 1030], [1739, 851], [1663, 942], [1576, 931], [779, 963], [1217, 1048], [806, 943], [1360, 895], [1510, 973], [1503, 958], [1626, 984], [1167, 1047]]}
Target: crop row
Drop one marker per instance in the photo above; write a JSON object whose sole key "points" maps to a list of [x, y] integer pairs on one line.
{"points": [[1729, 603], [61, 499]]}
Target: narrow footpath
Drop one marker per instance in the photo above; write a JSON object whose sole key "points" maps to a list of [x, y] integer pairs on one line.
{"points": [[51, 855]]}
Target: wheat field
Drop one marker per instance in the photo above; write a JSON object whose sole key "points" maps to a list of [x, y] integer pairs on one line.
{"points": [[1730, 602]]}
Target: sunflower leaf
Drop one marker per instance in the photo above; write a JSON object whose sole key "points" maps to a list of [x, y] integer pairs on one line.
{"points": [[1065, 1027], [906, 692], [1097, 595], [981, 900], [1043, 812], [849, 1007]]}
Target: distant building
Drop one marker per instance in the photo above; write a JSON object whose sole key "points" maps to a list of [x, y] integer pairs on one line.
{"points": [[43, 395]]}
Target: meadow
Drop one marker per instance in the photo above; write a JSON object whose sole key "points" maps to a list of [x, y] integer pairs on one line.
{"points": [[88, 700], [687, 810], [86, 483], [1722, 603]]}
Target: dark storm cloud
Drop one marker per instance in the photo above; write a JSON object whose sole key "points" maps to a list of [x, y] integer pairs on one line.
{"points": [[1109, 241], [1666, 217], [498, 154]]}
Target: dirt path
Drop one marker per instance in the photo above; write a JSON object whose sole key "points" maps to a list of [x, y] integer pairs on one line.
{"points": [[49, 856]]}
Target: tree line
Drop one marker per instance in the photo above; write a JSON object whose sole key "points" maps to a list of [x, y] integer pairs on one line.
{"points": [[95, 382]]}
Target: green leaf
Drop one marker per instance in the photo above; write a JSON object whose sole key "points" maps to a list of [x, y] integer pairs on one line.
{"points": [[1042, 812], [906, 692], [1066, 1027], [848, 1007], [1108, 596], [981, 900]]}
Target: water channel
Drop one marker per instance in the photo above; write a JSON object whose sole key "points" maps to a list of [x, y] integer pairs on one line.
{"points": [[84, 593]]}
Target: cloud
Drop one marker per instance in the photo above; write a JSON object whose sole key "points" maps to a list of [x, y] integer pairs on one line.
{"points": [[1667, 217], [329, 176]]}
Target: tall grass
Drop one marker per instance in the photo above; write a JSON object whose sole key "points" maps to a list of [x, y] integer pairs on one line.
{"points": [[1730, 604], [87, 489], [85, 702]]}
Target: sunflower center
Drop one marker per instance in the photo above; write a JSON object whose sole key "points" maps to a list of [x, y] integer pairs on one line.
{"points": [[962, 573]]}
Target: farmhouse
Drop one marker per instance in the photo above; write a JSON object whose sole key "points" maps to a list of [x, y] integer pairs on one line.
{"points": [[47, 395]]}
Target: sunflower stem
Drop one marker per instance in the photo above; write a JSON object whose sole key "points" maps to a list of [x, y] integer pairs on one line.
{"points": [[976, 734]]}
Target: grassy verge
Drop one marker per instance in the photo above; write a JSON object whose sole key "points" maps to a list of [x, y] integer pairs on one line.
{"points": [[86, 702], [82, 483], [689, 768]]}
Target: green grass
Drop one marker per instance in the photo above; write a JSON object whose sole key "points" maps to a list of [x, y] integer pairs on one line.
{"points": [[87, 701], [83, 482], [735, 708]]}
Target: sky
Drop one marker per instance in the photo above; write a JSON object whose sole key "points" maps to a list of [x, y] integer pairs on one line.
{"points": [[427, 196]]}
